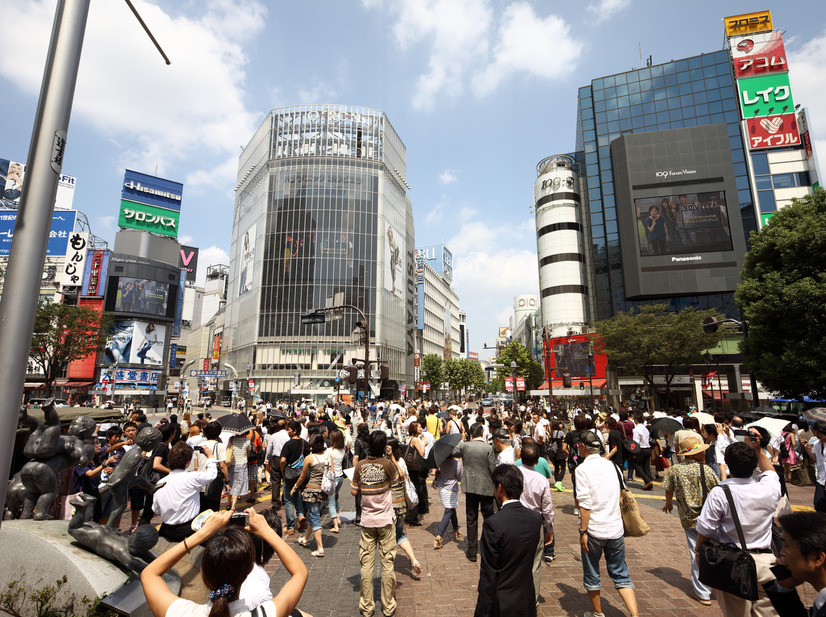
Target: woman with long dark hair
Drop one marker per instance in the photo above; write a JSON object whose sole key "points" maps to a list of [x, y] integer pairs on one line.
{"points": [[227, 561]]}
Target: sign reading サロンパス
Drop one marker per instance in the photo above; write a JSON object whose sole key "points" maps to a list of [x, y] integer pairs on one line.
{"points": [[148, 218], [766, 95], [748, 23], [759, 54]]}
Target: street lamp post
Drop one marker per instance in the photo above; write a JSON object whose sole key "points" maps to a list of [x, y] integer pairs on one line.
{"points": [[513, 376], [591, 377]]}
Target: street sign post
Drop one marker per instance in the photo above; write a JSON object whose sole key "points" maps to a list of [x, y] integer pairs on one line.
{"points": [[315, 317]]}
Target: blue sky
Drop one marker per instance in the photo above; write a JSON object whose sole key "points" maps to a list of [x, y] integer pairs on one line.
{"points": [[479, 91]]}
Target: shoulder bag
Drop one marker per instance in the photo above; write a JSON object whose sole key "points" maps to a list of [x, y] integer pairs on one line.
{"points": [[293, 470], [633, 524], [631, 447], [328, 480], [727, 567], [412, 458], [229, 456], [410, 494]]}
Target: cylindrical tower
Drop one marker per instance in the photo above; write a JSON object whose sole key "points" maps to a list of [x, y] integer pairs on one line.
{"points": [[560, 247]]}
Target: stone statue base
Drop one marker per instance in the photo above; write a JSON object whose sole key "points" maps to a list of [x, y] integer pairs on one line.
{"points": [[38, 553]]}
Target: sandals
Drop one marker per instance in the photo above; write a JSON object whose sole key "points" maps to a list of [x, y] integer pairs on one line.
{"points": [[417, 568], [437, 544], [318, 553], [335, 530], [302, 541], [457, 535]]}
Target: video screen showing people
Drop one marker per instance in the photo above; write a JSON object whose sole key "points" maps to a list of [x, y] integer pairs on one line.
{"points": [[573, 358], [142, 296], [136, 342], [683, 223]]}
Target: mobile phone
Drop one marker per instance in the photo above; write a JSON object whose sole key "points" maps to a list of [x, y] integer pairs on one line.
{"points": [[241, 519], [198, 449], [781, 572]]}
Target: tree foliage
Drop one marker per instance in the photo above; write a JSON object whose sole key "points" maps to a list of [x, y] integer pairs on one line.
{"points": [[463, 373], [783, 299], [433, 370], [64, 333], [655, 341]]}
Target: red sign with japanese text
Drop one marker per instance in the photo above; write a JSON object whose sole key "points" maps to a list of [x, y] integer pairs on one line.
{"points": [[773, 131], [509, 384], [759, 54], [520, 384]]}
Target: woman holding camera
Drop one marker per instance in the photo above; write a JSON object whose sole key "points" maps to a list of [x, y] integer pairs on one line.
{"points": [[227, 561]]}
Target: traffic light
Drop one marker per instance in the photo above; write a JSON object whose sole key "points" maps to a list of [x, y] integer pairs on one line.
{"points": [[566, 379], [352, 373], [385, 372], [581, 385]]}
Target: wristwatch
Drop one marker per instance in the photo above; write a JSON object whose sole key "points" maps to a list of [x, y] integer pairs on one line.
{"points": [[582, 532]]}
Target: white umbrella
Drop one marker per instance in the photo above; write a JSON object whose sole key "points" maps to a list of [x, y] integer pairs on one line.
{"points": [[660, 414], [773, 425], [396, 406], [703, 418], [456, 407]]}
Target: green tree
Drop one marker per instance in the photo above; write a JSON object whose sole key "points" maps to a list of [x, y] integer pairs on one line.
{"points": [[515, 351], [64, 333], [535, 377], [463, 373], [655, 341], [783, 300], [433, 370]]}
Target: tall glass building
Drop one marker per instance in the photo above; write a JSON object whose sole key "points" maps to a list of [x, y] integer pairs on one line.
{"points": [[685, 93], [322, 219]]}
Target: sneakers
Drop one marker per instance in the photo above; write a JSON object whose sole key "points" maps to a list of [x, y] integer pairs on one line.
{"points": [[549, 558], [591, 614], [558, 486], [700, 600]]}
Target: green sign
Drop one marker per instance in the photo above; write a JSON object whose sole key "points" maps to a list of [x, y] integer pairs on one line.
{"points": [[767, 95], [148, 218], [764, 218]]}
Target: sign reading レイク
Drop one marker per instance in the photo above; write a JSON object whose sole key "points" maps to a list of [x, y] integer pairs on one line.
{"points": [[748, 23], [766, 95]]}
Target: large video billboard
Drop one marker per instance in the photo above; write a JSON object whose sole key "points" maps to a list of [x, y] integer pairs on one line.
{"points": [[684, 223], [678, 214], [136, 342]]}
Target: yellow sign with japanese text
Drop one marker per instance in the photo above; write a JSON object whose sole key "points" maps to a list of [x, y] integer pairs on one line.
{"points": [[748, 23]]}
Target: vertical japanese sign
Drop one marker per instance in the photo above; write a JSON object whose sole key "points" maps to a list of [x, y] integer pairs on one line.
{"points": [[71, 274]]}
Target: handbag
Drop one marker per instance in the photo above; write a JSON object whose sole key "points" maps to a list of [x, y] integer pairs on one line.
{"points": [[328, 480], [347, 462], [412, 458], [230, 454], [410, 494], [293, 470], [727, 567], [629, 446], [634, 526]]}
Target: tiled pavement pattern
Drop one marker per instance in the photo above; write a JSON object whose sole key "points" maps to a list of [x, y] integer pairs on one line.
{"points": [[658, 565]]}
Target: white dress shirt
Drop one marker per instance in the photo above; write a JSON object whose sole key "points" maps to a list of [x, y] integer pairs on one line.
{"points": [[598, 490], [819, 450], [508, 456], [755, 503], [275, 444], [641, 436], [178, 501]]}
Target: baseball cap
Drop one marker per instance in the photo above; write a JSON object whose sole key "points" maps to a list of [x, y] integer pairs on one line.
{"points": [[589, 439]]}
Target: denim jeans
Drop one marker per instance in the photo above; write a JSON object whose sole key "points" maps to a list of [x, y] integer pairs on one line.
{"points": [[614, 561], [314, 514], [332, 500], [700, 590], [448, 517], [293, 505], [400, 535]]}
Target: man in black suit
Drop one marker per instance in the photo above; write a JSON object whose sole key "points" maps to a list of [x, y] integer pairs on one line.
{"points": [[509, 542]]}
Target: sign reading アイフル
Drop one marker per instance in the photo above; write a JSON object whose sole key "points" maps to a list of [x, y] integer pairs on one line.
{"points": [[748, 23]]}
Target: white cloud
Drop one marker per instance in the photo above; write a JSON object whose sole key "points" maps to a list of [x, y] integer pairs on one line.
{"points": [[436, 213], [127, 93], [447, 176], [187, 240], [529, 44], [106, 223], [211, 256], [806, 62], [463, 44], [457, 32], [315, 91], [607, 8]]}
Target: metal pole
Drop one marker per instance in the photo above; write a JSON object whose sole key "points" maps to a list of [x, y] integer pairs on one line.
{"points": [[34, 220]]}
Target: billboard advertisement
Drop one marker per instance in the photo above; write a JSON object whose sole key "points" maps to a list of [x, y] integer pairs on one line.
{"points": [[12, 174], [97, 267], [71, 273], [393, 261], [188, 260], [805, 136], [247, 261], [136, 342], [152, 190], [773, 131], [63, 223], [765, 95], [216, 347], [135, 295], [125, 376], [759, 54], [748, 23], [146, 217], [684, 223]]}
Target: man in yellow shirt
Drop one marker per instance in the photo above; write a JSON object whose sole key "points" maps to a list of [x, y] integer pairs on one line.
{"points": [[434, 424]]}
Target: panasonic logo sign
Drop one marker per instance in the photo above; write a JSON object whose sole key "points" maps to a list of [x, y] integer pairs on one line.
{"points": [[679, 172], [692, 258], [137, 186]]}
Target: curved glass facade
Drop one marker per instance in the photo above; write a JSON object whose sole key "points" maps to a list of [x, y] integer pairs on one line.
{"points": [[322, 219]]}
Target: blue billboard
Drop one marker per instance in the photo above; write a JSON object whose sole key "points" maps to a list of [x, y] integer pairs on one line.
{"points": [[146, 189], [63, 223]]}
